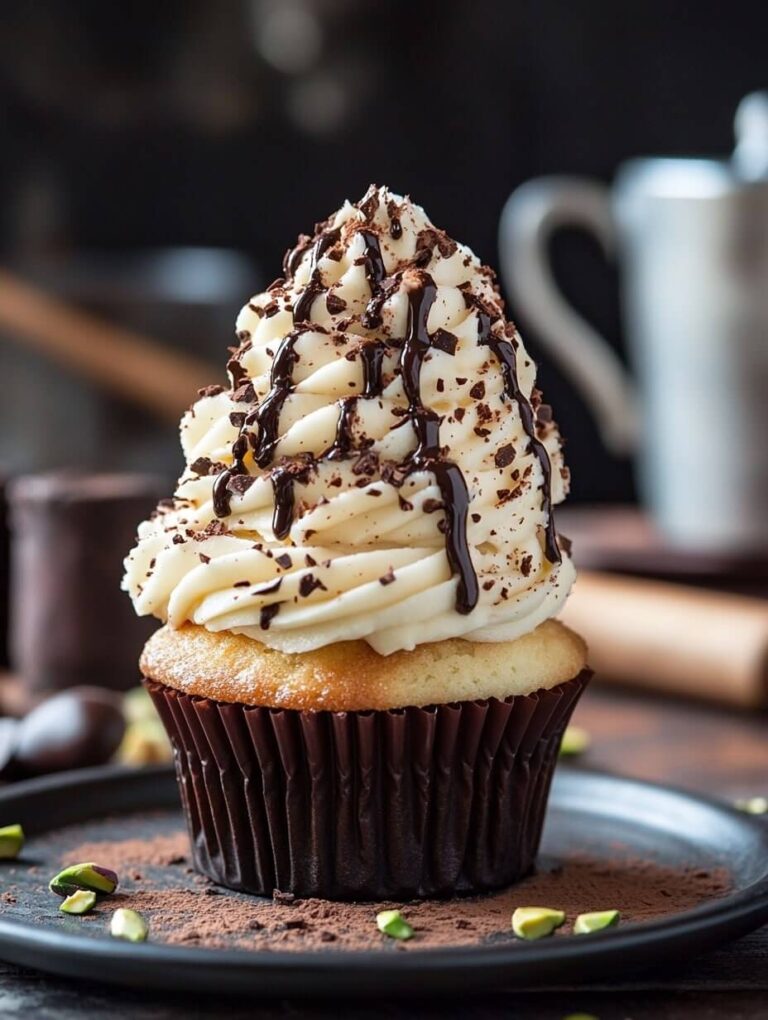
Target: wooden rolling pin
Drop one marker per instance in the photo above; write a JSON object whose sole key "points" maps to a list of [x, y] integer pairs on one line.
{"points": [[120, 360], [673, 639]]}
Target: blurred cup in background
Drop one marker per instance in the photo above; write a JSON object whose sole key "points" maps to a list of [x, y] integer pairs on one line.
{"points": [[691, 238], [70, 622]]}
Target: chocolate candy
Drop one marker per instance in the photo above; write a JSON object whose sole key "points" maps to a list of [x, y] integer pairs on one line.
{"points": [[77, 728]]}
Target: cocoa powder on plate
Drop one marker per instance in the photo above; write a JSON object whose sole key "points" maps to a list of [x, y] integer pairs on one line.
{"points": [[186, 909]]}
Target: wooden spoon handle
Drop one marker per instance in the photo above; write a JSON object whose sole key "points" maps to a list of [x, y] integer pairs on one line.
{"points": [[125, 362], [673, 639]]}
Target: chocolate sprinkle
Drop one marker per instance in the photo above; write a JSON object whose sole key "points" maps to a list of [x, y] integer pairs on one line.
{"points": [[444, 341], [504, 455], [267, 615], [310, 583]]}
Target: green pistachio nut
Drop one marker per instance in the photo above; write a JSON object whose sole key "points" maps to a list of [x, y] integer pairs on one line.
{"points": [[536, 922], [11, 842], [575, 742], [79, 902], [129, 925], [138, 706], [392, 923], [753, 805], [89, 877], [145, 743], [580, 1016], [597, 920]]}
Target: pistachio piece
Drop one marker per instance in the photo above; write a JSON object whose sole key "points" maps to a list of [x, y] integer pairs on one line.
{"points": [[585, 924], [129, 925], [580, 1016], [11, 842], [137, 705], [392, 923], [536, 922], [752, 805], [79, 902], [575, 741], [90, 877], [145, 743]]}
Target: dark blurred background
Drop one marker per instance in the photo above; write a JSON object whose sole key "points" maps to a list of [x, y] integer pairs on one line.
{"points": [[229, 128]]}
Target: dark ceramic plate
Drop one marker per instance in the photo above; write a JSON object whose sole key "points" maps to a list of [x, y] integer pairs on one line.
{"points": [[593, 812]]}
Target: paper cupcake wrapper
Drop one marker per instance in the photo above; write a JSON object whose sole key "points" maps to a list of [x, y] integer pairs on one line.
{"points": [[366, 805]]}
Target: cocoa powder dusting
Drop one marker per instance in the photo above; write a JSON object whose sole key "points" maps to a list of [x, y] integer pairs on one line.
{"points": [[159, 850], [186, 909]]}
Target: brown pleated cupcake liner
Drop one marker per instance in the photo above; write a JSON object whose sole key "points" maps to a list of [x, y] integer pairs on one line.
{"points": [[366, 805]]}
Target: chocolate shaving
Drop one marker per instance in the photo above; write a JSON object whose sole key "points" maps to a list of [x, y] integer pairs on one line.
{"points": [[244, 394], [240, 483], [504, 455], [310, 583], [335, 304], [444, 341], [210, 391], [267, 615]]}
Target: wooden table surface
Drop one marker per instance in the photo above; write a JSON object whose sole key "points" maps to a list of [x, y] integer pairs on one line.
{"points": [[698, 747]]}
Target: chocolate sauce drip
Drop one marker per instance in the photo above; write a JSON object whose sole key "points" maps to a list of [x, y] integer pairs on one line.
{"points": [[427, 456], [505, 355], [372, 357], [293, 256], [267, 414], [371, 317], [282, 479], [303, 307], [375, 274], [222, 495], [343, 441], [426, 423]]}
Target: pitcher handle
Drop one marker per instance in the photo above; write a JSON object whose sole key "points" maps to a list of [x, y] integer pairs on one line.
{"points": [[531, 215]]}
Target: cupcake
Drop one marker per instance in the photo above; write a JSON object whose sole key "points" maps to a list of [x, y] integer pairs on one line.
{"points": [[360, 671]]}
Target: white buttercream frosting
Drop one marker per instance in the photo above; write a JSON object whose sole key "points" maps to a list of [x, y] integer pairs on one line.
{"points": [[366, 553]]}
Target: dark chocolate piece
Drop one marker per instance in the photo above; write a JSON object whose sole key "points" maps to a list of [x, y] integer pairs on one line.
{"points": [[77, 728]]}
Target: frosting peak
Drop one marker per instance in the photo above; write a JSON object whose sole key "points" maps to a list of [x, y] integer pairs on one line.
{"points": [[381, 466]]}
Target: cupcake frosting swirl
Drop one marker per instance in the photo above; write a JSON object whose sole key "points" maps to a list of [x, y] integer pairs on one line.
{"points": [[381, 465]]}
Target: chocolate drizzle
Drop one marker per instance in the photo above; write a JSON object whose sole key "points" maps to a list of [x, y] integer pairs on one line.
{"points": [[222, 495], [315, 287], [342, 444], [427, 456], [504, 352], [267, 414], [372, 357], [375, 274], [282, 485]]}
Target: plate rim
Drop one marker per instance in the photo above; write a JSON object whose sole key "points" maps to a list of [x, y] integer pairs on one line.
{"points": [[743, 910]]}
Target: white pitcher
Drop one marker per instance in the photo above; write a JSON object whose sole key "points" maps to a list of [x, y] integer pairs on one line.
{"points": [[691, 238]]}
